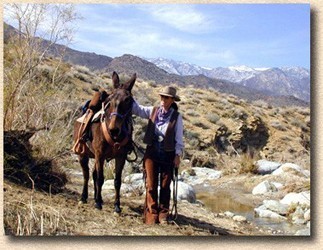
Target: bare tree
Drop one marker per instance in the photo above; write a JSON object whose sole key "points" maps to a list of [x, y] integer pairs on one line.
{"points": [[38, 28]]}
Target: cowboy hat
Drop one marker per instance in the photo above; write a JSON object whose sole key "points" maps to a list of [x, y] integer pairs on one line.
{"points": [[170, 91]]}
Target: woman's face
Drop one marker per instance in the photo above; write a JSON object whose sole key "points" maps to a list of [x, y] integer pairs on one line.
{"points": [[166, 101]]}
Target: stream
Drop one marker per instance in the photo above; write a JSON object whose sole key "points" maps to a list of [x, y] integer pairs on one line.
{"points": [[220, 201]]}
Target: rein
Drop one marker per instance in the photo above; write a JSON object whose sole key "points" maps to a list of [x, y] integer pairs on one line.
{"points": [[175, 189]]}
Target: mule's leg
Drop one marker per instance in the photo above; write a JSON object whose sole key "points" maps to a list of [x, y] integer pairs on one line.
{"points": [[99, 164], [94, 176], [119, 164], [84, 161]]}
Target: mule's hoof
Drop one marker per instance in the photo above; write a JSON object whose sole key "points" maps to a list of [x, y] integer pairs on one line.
{"points": [[116, 214], [98, 206], [117, 210], [81, 202]]}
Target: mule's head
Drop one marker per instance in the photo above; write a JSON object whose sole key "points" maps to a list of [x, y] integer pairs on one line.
{"points": [[120, 105]]}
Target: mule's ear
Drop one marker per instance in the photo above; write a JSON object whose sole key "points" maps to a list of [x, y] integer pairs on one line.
{"points": [[129, 84], [115, 80]]}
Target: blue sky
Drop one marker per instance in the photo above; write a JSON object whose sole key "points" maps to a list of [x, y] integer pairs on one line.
{"points": [[210, 35]]}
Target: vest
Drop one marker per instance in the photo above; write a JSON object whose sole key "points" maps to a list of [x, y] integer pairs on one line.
{"points": [[169, 140]]}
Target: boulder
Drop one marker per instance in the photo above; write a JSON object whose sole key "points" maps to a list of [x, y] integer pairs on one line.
{"points": [[307, 215], [184, 192], [239, 218], [276, 206], [264, 187], [298, 216], [266, 167], [229, 214], [302, 198], [197, 175], [291, 168], [265, 213]]}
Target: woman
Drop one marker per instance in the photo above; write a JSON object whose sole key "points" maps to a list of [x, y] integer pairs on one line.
{"points": [[164, 139]]}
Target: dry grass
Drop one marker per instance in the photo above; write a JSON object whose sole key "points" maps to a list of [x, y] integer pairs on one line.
{"points": [[204, 111]]}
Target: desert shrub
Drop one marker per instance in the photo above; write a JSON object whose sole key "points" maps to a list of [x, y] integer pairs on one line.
{"points": [[212, 117], [239, 114], [106, 75], [304, 111], [82, 77], [261, 104], [192, 112], [82, 69], [297, 122], [199, 124], [203, 160], [152, 84], [190, 134], [211, 98], [278, 125], [194, 142], [247, 164]]}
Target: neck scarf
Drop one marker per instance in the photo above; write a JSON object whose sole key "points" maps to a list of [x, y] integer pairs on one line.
{"points": [[163, 116]]}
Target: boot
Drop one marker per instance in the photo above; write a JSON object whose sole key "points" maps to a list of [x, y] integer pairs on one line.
{"points": [[151, 204], [164, 194], [163, 216]]}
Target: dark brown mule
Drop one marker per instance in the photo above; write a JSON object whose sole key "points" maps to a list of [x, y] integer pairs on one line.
{"points": [[111, 140]]}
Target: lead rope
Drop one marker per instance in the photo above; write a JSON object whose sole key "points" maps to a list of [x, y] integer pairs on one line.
{"points": [[175, 187]]}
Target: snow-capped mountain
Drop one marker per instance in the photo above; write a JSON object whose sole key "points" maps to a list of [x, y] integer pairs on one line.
{"points": [[293, 81], [175, 67]]}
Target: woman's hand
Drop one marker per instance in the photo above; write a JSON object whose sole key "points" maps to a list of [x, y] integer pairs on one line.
{"points": [[177, 161]]}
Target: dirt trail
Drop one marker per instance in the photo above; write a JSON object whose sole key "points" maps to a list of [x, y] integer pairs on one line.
{"points": [[62, 214]]}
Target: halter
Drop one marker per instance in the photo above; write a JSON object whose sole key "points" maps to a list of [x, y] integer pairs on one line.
{"points": [[115, 144], [120, 115]]}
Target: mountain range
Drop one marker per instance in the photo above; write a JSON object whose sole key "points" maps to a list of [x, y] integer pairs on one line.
{"points": [[279, 86], [293, 81]]}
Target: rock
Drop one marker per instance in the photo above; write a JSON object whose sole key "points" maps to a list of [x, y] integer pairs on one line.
{"points": [[276, 206], [264, 187], [207, 173], [302, 198], [298, 216], [239, 218], [228, 214], [266, 167], [197, 175], [186, 161], [108, 185], [307, 215], [303, 232], [291, 168], [278, 185], [265, 213], [184, 192], [133, 178]]}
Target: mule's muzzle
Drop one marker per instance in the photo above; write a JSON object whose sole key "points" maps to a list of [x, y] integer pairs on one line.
{"points": [[114, 132]]}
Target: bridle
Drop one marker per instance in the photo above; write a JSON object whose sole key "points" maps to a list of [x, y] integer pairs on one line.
{"points": [[116, 144]]}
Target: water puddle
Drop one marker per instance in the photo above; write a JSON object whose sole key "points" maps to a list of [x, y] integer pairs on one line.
{"points": [[222, 201]]}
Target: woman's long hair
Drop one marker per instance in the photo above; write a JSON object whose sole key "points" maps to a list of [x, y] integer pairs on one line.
{"points": [[174, 106]]}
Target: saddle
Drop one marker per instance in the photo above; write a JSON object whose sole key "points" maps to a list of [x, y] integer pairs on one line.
{"points": [[83, 142]]}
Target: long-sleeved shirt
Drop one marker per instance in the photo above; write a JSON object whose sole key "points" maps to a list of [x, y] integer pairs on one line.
{"points": [[161, 127]]}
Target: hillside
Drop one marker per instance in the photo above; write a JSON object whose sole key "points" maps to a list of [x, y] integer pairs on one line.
{"points": [[221, 132]]}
